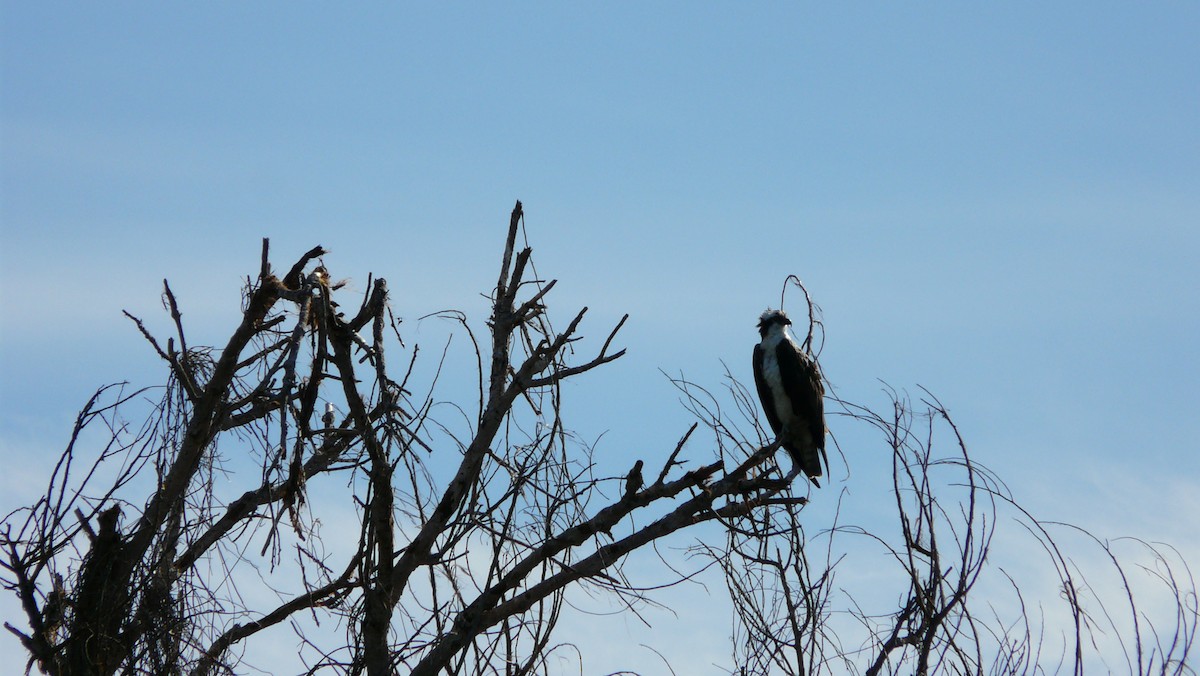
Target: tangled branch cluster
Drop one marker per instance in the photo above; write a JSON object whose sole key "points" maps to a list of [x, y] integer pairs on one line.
{"points": [[470, 570], [168, 546]]}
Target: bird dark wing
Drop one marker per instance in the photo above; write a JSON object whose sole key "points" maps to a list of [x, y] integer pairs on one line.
{"points": [[764, 392], [802, 382]]}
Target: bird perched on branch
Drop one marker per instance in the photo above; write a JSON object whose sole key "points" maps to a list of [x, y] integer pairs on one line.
{"points": [[634, 481], [789, 386]]}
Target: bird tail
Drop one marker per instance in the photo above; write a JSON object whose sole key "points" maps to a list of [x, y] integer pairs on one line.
{"points": [[808, 461]]}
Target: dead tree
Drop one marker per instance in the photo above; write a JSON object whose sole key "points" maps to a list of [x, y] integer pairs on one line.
{"points": [[156, 543], [793, 615], [151, 539]]}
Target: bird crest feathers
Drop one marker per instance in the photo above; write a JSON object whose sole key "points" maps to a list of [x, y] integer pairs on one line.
{"points": [[770, 316]]}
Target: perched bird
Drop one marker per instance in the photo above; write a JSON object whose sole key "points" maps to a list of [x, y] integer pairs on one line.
{"points": [[634, 481], [789, 386], [107, 521], [319, 276]]}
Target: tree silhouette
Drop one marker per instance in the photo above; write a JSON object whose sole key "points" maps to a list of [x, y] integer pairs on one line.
{"points": [[152, 545]]}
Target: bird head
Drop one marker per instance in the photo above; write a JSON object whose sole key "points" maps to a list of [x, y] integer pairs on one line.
{"points": [[772, 318]]}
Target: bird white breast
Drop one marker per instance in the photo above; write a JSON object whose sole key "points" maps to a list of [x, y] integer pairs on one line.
{"points": [[770, 343]]}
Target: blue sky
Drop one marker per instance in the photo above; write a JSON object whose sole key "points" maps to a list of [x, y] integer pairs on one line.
{"points": [[1000, 203]]}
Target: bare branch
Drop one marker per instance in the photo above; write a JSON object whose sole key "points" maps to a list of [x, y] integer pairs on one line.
{"points": [[471, 521]]}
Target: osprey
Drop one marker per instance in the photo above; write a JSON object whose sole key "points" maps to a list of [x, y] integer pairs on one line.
{"points": [[789, 386]]}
